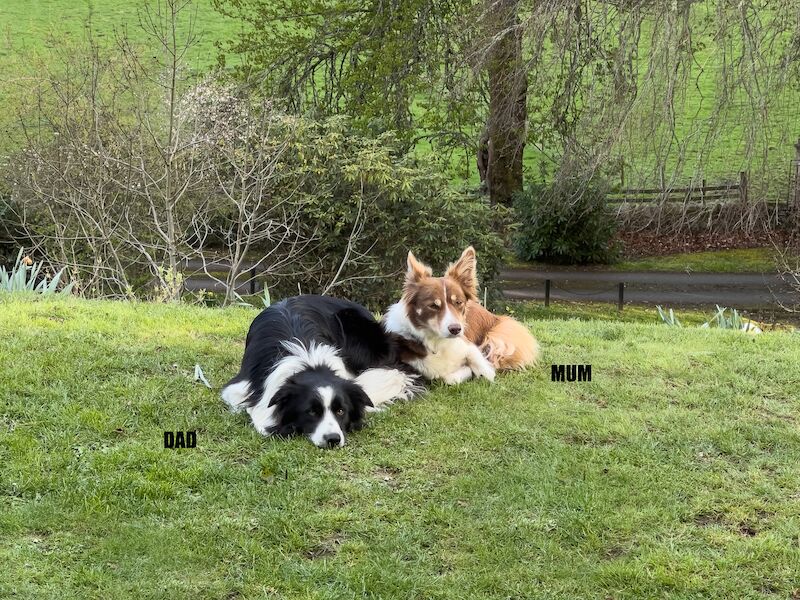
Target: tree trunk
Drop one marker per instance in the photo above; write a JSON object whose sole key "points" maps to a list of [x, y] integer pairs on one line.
{"points": [[483, 160], [508, 89]]}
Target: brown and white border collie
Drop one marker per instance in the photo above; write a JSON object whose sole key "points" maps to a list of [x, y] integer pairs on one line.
{"points": [[447, 334]]}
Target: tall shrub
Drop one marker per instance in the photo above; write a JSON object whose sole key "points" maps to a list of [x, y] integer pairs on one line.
{"points": [[565, 223], [364, 204]]}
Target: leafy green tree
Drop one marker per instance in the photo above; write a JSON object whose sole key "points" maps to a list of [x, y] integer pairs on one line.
{"points": [[417, 67], [371, 59], [593, 86]]}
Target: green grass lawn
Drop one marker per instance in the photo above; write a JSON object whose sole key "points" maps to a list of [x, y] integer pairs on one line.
{"points": [[560, 310], [27, 25], [748, 260], [674, 473], [29, 28], [745, 260]]}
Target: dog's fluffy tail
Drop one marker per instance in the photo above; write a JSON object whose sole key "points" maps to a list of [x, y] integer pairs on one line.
{"points": [[385, 385], [509, 345]]}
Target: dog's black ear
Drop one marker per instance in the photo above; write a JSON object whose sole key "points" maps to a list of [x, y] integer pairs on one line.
{"points": [[358, 396], [281, 396]]}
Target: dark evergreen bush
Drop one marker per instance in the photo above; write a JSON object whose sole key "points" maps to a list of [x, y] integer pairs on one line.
{"points": [[565, 223], [8, 245]]}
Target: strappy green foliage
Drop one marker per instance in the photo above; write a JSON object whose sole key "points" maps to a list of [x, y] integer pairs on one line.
{"points": [[25, 277]]}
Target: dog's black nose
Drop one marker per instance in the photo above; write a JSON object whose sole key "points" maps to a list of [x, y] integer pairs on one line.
{"points": [[454, 329], [332, 439]]}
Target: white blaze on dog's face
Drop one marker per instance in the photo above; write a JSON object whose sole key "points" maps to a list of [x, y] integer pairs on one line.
{"points": [[438, 304], [319, 405], [328, 433]]}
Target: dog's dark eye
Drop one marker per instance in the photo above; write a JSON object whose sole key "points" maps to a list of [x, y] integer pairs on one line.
{"points": [[434, 306], [339, 412], [313, 412], [459, 303]]}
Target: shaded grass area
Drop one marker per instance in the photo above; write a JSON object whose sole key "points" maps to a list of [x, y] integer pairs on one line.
{"points": [[673, 473]]}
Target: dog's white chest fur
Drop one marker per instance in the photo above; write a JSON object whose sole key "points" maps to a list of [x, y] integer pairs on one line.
{"points": [[444, 357]]}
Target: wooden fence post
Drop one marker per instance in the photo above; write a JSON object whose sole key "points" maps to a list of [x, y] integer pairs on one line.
{"points": [[546, 293], [794, 194], [743, 187], [703, 192], [252, 274], [621, 293]]}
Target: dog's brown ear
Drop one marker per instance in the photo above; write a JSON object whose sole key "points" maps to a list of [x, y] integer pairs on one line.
{"points": [[416, 270], [465, 271]]}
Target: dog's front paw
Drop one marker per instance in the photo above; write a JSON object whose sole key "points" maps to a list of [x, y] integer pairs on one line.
{"points": [[486, 371], [458, 376]]}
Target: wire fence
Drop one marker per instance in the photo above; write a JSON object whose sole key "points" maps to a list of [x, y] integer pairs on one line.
{"points": [[620, 287], [772, 291]]}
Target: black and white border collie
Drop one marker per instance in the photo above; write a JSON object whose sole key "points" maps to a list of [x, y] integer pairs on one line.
{"points": [[312, 366]]}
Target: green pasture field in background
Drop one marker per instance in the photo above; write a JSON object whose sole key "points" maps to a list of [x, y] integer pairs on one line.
{"points": [[26, 26]]}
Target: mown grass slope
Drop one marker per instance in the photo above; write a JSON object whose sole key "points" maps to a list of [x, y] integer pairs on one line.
{"points": [[32, 26], [745, 260], [674, 473], [740, 260]]}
